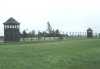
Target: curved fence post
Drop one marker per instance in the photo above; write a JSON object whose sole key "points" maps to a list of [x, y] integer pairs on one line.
{"points": [[38, 35], [70, 35]]}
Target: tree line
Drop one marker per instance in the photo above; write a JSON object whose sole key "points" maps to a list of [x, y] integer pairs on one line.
{"points": [[50, 33], [55, 33]]}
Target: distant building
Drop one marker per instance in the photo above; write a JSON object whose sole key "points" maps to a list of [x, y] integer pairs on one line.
{"points": [[11, 31], [89, 33]]}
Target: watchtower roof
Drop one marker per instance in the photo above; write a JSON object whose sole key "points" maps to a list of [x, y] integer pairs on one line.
{"points": [[89, 29], [11, 21]]}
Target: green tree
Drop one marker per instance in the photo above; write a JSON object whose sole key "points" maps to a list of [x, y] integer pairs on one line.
{"points": [[44, 33], [53, 32], [57, 31], [49, 28], [30, 34], [38, 35], [33, 33], [24, 33]]}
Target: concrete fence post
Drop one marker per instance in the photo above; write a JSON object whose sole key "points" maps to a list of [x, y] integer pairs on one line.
{"points": [[54, 36], [83, 35], [70, 35], [78, 35], [66, 35], [31, 38], [23, 37], [44, 36], [38, 35]]}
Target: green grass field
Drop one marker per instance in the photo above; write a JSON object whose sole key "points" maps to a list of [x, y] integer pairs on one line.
{"points": [[51, 54]]}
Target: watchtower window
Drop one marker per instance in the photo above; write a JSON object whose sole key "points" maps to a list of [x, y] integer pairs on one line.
{"points": [[12, 26], [6, 26], [89, 31], [18, 26], [15, 26]]}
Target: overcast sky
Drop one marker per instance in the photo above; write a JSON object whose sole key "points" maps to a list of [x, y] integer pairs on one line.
{"points": [[65, 15]]}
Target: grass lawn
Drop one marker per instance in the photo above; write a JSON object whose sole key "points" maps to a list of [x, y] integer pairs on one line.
{"points": [[51, 54]]}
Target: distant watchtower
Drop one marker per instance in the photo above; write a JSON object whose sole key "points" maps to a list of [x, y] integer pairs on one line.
{"points": [[89, 33], [11, 31]]}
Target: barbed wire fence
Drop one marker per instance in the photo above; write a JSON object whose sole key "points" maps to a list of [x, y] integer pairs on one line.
{"points": [[67, 35], [70, 35]]}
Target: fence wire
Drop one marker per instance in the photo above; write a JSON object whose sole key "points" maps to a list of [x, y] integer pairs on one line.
{"points": [[65, 36]]}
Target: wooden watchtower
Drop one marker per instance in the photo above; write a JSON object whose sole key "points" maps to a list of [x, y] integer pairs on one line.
{"points": [[11, 31], [89, 33]]}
